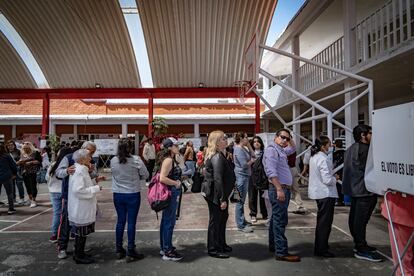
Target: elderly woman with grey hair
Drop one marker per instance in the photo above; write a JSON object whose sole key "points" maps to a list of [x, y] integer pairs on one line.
{"points": [[82, 204]]}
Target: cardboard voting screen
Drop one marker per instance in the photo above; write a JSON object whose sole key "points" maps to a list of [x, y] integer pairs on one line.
{"points": [[390, 163]]}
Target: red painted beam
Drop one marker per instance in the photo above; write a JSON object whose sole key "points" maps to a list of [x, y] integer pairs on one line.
{"points": [[121, 93], [45, 117], [257, 111], [150, 115]]}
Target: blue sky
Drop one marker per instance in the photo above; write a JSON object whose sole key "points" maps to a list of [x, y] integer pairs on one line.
{"points": [[285, 10]]}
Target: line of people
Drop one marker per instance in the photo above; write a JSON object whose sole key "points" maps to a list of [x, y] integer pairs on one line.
{"points": [[30, 164]]}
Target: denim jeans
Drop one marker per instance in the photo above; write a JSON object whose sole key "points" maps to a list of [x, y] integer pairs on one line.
{"points": [[190, 165], [56, 199], [64, 227], [278, 222], [18, 182], [127, 207], [242, 184], [168, 221]]}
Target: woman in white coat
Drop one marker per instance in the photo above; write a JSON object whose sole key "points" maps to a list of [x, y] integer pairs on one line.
{"points": [[82, 204], [322, 188]]}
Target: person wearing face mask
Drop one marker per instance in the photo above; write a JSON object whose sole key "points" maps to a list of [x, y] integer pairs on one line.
{"points": [[243, 159], [363, 202], [322, 188]]}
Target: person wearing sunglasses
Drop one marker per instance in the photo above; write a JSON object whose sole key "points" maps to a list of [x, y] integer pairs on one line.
{"points": [[277, 170]]}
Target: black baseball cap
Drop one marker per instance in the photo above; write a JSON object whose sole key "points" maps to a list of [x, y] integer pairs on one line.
{"points": [[169, 142]]}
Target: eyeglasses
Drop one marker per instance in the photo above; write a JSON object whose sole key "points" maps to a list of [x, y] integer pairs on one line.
{"points": [[284, 138]]}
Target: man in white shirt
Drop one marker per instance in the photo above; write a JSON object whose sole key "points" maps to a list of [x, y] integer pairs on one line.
{"points": [[149, 156]]}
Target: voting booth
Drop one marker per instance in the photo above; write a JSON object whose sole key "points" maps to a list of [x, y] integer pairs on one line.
{"points": [[105, 149], [390, 163]]}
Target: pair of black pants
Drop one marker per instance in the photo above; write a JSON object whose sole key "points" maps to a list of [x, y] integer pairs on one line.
{"points": [[31, 184], [18, 182], [361, 211], [80, 243], [324, 219], [216, 238], [64, 227], [150, 167], [8, 186], [340, 194], [253, 193]]}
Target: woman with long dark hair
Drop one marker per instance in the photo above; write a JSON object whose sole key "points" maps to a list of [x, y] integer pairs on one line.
{"points": [[258, 147], [170, 175], [129, 173], [216, 188], [55, 190], [18, 181], [30, 161], [8, 171], [322, 188]]}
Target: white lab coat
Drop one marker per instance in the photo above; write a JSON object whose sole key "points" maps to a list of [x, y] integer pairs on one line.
{"points": [[82, 197], [322, 182]]}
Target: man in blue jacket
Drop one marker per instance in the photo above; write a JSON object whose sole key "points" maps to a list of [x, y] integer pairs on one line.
{"points": [[277, 170]]}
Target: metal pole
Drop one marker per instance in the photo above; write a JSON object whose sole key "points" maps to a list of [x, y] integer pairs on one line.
{"points": [[257, 111], [313, 126], [370, 100], [339, 71], [317, 117], [293, 91], [393, 233], [350, 102], [45, 116], [330, 132], [410, 240], [150, 115]]}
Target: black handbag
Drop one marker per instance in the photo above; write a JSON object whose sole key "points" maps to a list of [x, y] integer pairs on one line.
{"points": [[197, 180]]}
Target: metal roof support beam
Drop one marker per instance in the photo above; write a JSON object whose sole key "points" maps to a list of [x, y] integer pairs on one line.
{"points": [[123, 93]]}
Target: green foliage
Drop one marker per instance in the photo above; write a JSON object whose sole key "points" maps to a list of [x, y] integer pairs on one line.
{"points": [[159, 126]]}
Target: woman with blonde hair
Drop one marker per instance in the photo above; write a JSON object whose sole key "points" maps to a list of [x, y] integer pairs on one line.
{"points": [[30, 162], [216, 188]]}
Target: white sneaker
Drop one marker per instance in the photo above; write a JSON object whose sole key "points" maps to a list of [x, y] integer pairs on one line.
{"points": [[62, 254], [246, 229], [253, 219], [33, 204], [20, 201]]}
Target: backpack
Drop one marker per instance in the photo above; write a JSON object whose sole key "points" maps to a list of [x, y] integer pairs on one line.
{"points": [[259, 177], [158, 194]]}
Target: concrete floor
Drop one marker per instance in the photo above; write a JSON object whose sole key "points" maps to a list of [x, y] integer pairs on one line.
{"points": [[25, 249]]}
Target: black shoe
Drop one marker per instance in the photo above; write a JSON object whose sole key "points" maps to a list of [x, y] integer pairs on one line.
{"points": [[11, 212], [227, 249], [218, 255], [365, 248], [120, 253], [133, 255], [83, 260], [326, 254]]}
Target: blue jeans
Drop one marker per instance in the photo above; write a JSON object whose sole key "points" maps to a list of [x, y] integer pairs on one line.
{"points": [[190, 165], [56, 199], [278, 222], [168, 221], [242, 184], [127, 207]]}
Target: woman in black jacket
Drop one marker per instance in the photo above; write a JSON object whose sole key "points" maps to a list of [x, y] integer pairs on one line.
{"points": [[8, 171], [216, 188]]}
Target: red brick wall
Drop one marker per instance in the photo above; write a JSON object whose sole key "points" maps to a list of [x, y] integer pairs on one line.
{"points": [[6, 131], [65, 107]]}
